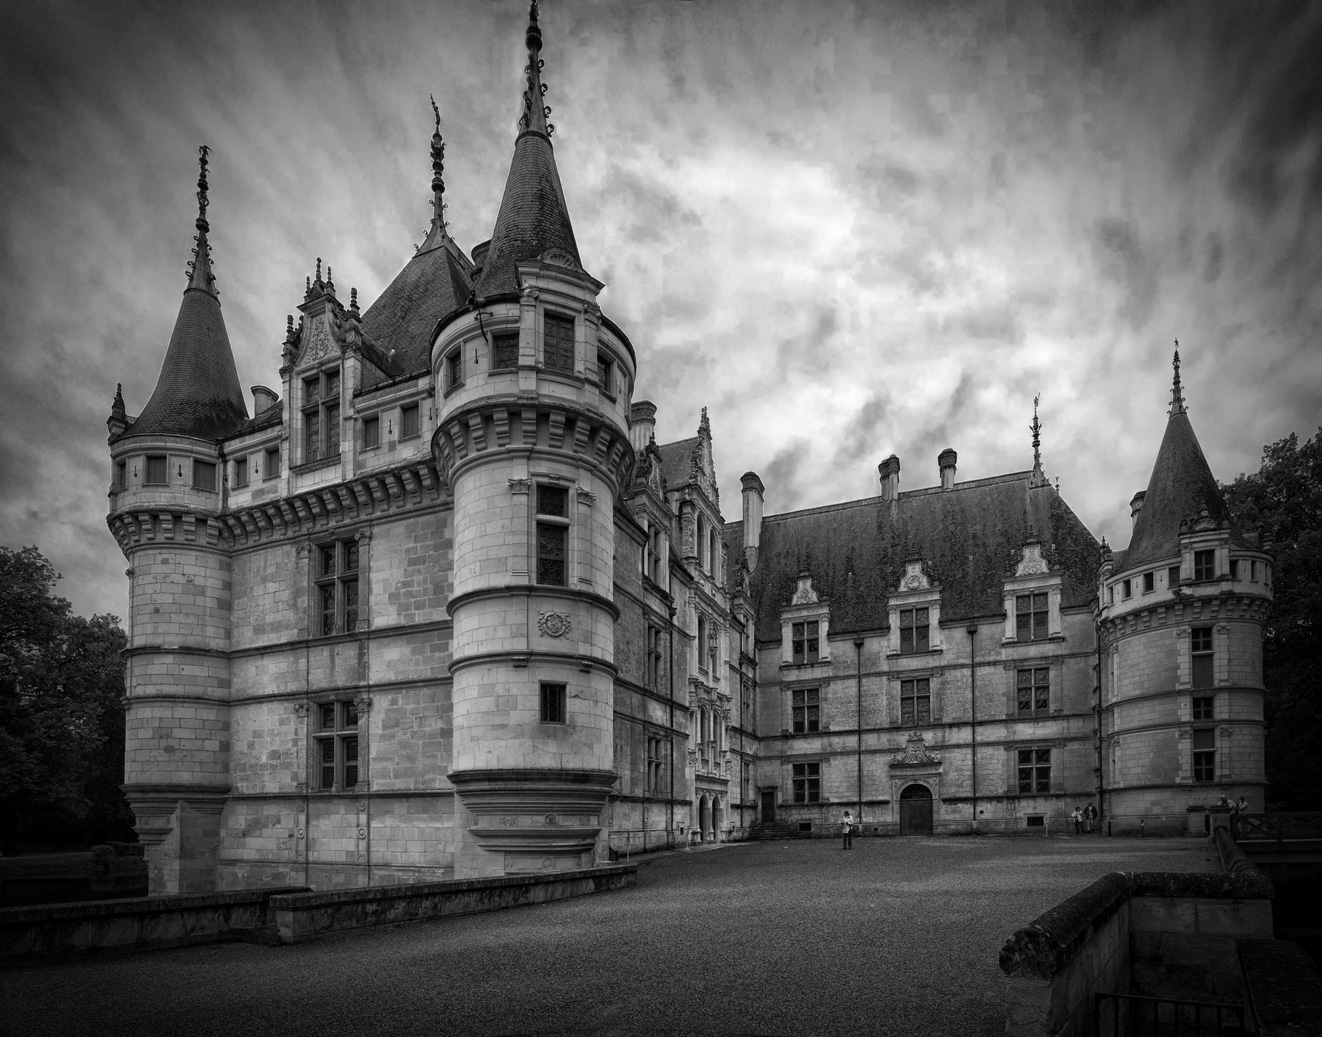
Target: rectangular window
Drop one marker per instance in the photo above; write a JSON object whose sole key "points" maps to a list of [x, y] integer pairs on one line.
{"points": [[559, 336], [807, 782], [806, 704], [653, 764], [121, 474], [1204, 565], [552, 535], [1031, 615], [605, 373], [371, 433], [1204, 754], [240, 471], [204, 475], [1034, 692], [1253, 571], [454, 370], [1200, 645], [915, 702], [321, 416], [156, 470], [652, 557], [1149, 582], [1234, 569], [1129, 588], [1203, 708], [914, 631], [1034, 771], [337, 745], [271, 467], [553, 703], [654, 655], [410, 422], [337, 586], [804, 642], [1173, 576], [504, 352]]}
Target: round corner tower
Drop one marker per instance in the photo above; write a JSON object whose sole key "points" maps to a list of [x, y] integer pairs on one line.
{"points": [[532, 433], [1180, 616]]}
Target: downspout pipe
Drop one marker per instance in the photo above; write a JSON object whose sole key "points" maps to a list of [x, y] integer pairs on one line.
{"points": [[972, 629]]}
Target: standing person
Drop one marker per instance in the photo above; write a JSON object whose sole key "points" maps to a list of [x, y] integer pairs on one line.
{"points": [[1089, 816], [1241, 805], [848, 825], [1078, 821]]}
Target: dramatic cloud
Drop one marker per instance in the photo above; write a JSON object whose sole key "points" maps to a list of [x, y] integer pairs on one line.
{"points": [[849, 228]]}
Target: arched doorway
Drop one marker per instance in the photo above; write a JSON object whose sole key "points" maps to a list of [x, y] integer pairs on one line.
{"points": [[916, 810], [704, 818], [718, 818]]}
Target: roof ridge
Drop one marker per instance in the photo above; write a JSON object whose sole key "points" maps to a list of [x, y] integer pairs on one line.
{"points": [[925, 491]]}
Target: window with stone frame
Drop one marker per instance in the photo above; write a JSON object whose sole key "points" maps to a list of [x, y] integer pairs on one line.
{"points": [[371, 432], [1031, 616], [807, 782], [1204, 565], [271, 463], [121, 474], [454, 369], [558, 337], [337, 586], [1204, 707], [1033, 691], [410, 421], [1204, 754], [505, 351], [1173, 576], [156, 474], [1149, 582], [1202, 657], [652, 554], [1034, 771], [806, 710], [336, 739], [553, 698], [804, 641], [654, 656], [915, 633], [654, 763], [916, 701], [321, 416], [204, 475], [606, 372], [240, 471], [552, 530]]}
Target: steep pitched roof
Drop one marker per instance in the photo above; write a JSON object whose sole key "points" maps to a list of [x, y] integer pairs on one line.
{"points": [[197, 393], [969, 539], [433, 283], [533, 218], [1180, 488], [677, 462]]}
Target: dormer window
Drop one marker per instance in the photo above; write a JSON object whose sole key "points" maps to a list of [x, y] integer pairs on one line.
{"points": [[559, 343], [1031, 616], [321, 416], [915, 631], [1204, 565], [806, 647]]}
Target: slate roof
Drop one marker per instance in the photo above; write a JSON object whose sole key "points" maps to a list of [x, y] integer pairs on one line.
{"points": [[969, 538], [273, 415], [677, 461], [435, 282], [1180, 487], [197, 393]]}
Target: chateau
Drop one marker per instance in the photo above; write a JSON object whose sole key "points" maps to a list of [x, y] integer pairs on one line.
{"points": [[443, 606]]}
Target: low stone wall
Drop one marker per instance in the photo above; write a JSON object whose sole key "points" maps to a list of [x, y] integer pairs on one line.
{"points": [[134, 924], [299, 916]]}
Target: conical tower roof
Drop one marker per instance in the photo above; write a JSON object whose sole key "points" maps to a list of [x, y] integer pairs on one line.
{"points": [[1181, 487], [197, 393], [533, 217], [435, 282]]}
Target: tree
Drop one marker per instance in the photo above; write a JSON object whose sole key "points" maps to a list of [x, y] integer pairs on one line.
{"points": [[61, 712], [1283, 499]]}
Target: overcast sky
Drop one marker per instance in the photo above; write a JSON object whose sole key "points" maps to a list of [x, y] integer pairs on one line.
{"points": [[848, 229]]}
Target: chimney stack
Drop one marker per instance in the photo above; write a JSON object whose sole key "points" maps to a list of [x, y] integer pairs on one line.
{"points": [[642, 424], [1135, 506], [946, 462], [889, 470], [753, 502], [263, 399]]}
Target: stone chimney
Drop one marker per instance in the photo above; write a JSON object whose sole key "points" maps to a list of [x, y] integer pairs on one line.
{"points": [[753, 503], [642, 424], [946, 462], [1135, 506], [889, 471], [263, 399]]}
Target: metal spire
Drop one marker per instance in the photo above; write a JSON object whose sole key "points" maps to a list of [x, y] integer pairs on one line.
{"points": [[1036, 429], [199, 267], [1177, 391], [535, 112], [437, 170]]}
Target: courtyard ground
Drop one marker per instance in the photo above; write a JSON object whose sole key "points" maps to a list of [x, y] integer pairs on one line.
{"points": [[897, 936]]}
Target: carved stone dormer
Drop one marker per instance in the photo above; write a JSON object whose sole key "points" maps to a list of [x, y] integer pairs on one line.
{"points": [[1033, 591], [804, 624], [915, 605]]}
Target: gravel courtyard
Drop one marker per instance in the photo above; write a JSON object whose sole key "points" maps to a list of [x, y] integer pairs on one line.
{"points": [[897, 936]]}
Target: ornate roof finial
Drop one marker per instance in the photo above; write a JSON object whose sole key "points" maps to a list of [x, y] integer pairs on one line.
{"points": [[1036, 429], [437, 171], [318, 269], [118, 406], [1177, 391], [353, 301], [704, 426], [535, 112], [202, 224], [289, 328]]}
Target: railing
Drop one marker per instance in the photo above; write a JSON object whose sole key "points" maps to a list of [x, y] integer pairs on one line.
{"points": [[1277, 828], [1133, 1015]]}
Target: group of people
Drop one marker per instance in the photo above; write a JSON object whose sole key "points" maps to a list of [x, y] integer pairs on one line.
{"points": [[1084, 819]]}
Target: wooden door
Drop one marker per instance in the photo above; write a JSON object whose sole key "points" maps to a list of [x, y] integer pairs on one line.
{"points": [[769, 807], [916, 810]]}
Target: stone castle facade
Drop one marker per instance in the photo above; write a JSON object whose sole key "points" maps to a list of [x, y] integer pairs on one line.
{"points": [[442, 606]]}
